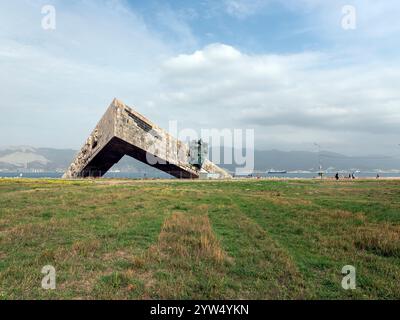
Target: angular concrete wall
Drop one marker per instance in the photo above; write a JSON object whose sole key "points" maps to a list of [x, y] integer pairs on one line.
{"points": [[122, 131]]}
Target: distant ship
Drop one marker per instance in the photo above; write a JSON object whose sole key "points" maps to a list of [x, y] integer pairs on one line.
{"points": [[272, 171]]}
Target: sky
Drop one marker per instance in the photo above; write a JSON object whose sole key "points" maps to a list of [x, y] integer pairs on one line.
{"points": [[288, 69]]}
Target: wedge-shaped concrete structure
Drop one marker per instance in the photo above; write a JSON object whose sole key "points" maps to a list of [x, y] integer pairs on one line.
{"points": [[122, 131]]}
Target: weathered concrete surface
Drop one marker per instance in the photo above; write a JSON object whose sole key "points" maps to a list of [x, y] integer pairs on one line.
{"points": [[122, 131]]}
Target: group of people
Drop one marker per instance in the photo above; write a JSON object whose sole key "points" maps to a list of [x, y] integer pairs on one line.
{"points": [[351, 176]]}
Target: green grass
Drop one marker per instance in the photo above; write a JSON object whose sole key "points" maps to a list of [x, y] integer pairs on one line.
{"points": [[250, 239]]}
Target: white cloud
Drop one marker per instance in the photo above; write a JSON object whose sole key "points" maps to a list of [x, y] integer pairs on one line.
{"points": [[280, 94]]}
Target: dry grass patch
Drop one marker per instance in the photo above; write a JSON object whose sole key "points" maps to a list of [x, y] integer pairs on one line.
{"points": [[2, 255], [116, 255], [344, 214], [28, 232], [187, 260], [383, 240], [85, 248], [189, 237]]}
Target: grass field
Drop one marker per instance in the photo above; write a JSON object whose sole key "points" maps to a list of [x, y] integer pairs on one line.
{"points": [[250, 239]]}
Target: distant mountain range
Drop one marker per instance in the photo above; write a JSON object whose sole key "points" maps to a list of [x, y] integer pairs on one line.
{"points": [[26, 158], [309, 161]]}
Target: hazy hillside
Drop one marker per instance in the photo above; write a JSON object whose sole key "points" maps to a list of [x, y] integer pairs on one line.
{"points": [[309, 161], [17, 158]]}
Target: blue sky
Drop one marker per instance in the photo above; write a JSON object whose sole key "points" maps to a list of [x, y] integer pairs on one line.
{"points": [[267, 29], [286, 69], [275, 26]]}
